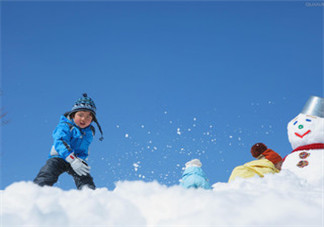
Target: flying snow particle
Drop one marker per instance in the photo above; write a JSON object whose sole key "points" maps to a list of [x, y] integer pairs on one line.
{"points": [[136, 165], [126, 135], [178, 131]]}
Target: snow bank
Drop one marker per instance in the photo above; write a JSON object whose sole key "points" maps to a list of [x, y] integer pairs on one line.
{"points": [[281, 199]]}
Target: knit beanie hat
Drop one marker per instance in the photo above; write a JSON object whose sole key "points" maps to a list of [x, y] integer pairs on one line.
{"points": [[272, 156], [193, 162], [86, 103], [257, 149]]}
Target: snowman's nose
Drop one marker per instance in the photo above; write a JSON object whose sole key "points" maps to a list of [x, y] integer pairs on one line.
{"points": [[300, 126]]}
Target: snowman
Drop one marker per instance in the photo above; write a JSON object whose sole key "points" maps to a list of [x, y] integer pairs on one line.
{"points": [[306, 135]]}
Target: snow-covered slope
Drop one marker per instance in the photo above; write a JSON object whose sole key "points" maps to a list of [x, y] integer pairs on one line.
{"points": [[276, 200]]}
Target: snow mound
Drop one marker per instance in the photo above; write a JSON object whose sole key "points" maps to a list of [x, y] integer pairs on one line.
{"points": [[282, 199]]}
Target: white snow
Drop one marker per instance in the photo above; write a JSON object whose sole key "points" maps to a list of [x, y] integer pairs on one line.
{"points": [[276, 200], [178, 131], [136, 165]]}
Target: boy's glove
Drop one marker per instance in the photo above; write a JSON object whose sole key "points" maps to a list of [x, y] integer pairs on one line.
{"points": [[78, 165]]}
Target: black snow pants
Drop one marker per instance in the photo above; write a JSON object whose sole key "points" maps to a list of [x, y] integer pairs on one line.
{"points": [[54, 167]]}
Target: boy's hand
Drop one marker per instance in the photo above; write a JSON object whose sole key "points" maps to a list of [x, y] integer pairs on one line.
{"points": [[78, 165]]}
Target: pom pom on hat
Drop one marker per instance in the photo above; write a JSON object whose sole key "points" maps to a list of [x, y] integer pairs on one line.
{"points": [[257, 149]]}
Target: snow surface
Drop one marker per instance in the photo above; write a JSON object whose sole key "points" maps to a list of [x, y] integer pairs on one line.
{"points": [[276, 200]]}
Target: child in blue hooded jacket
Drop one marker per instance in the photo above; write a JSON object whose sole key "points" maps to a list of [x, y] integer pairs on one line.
{"points": [[72, 138], [194, 176]]}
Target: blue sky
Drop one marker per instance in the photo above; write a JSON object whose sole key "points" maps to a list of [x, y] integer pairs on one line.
{"points": [[172, 81]]}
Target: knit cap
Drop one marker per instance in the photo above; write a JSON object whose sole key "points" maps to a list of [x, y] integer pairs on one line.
{"points": [[86, 103], [259, 150], [272, 156], [193, 162]]}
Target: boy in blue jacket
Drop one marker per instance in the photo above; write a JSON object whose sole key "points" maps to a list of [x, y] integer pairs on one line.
{"points": [[69, 153], [194, 176]]}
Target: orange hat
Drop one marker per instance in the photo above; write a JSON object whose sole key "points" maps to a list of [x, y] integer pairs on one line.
{"points": [[272, 156]]}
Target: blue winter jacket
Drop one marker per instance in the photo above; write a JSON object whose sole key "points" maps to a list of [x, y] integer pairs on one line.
{"points": [[194, 177], [68, 138]]}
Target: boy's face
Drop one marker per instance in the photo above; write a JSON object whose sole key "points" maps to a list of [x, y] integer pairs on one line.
{"points": [[83, 118]]}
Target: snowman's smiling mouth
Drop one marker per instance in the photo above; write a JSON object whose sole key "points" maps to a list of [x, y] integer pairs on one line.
{"points": [[301, 136]]}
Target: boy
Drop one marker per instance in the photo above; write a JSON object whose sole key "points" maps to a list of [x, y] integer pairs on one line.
{"points": [[69, 153], [194, 176]]}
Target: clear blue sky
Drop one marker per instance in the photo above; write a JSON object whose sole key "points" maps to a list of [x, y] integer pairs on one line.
{"points": [[172, 81]]}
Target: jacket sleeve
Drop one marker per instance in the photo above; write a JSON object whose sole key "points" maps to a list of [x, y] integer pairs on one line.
{"points": [[205, 184], [62, 140], [188, 182]]}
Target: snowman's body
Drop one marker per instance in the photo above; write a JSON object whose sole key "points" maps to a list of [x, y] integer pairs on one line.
{"points": [[306, 135]]}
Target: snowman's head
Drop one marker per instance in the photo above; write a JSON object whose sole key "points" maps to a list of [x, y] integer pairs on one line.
{"points": [[305, 129]]}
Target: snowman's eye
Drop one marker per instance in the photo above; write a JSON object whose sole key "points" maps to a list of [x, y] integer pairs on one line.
{"points": [[309, 120], [295, 122]]}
